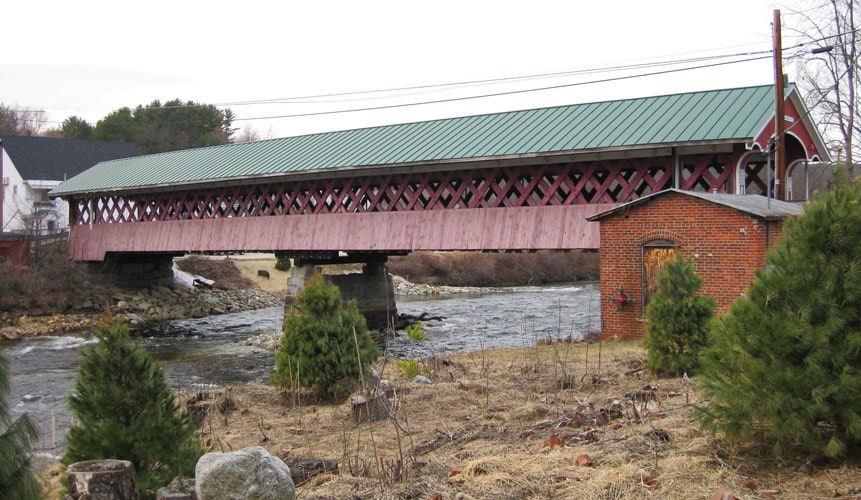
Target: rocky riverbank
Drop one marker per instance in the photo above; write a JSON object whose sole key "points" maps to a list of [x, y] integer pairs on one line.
{"points": [[154, 304], [405, 287], [139, 307]]}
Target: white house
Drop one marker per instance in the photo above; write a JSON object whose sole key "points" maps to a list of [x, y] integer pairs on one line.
{"points": [[32, 166]]}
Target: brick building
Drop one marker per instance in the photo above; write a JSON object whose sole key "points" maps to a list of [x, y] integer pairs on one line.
{"points": [[725, 236]]}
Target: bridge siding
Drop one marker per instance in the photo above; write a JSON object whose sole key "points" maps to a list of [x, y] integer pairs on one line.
{"points": [[515, 228]]}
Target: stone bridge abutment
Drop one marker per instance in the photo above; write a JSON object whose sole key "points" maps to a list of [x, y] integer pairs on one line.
{"points": [[372, 289]]}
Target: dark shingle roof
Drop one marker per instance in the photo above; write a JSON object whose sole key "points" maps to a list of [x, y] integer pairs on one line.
{"points": [[755, 205], [53, 159]]}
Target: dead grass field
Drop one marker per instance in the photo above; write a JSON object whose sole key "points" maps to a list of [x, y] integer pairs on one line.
{"points": [[562, 421]]}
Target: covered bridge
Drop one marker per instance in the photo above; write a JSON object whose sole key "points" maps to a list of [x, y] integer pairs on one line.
{"points": [[520, 180], [514, 181]]}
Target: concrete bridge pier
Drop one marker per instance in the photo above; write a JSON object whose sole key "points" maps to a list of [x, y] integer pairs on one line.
{"points": [[138, 270], [373, 290]]}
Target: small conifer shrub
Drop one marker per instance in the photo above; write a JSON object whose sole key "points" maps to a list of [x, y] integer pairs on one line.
{"points": [[126, 411], [17, 477], [677, 319], [784, 364], [283, 263], [326, 346], [410, 367]]}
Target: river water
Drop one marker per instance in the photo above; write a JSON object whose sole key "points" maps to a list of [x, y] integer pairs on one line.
{"points": [[212, 351]]}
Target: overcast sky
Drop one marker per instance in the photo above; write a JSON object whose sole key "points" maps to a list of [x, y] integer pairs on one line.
{"points": [[88, 58]]}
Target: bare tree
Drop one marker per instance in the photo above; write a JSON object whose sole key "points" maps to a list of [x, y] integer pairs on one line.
{"points": [[247, 134], [26, 121], [827, 59], [250, 134]]}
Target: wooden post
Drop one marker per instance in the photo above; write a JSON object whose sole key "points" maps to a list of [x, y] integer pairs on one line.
{"points": [[779, 113]]}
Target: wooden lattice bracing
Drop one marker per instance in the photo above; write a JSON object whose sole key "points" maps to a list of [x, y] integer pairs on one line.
{"points": [[605, 181]]}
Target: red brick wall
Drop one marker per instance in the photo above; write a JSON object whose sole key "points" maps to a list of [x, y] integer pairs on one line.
{"points": [[15, 252], [725, 245]]}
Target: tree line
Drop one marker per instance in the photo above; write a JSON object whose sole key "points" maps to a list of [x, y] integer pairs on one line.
{"points": [[154, 128]]}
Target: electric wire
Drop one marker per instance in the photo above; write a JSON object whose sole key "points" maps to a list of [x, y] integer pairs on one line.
{"points": [[375, 94], [498, 94]]}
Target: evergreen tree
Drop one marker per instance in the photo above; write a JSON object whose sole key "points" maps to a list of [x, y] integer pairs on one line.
{"points": [[784, 364], [75, 127], [319, 346], [677, 319], [126, 411], [171, 126], [17, 477]]}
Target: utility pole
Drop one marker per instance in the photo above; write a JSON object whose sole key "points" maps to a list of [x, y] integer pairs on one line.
{"points": [[779, 113]]}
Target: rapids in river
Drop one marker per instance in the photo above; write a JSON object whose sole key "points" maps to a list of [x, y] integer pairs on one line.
{"points": [[213, 351]]}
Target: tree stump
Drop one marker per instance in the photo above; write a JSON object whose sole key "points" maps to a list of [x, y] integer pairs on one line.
{"points": [[373, 409], [102, 480]]}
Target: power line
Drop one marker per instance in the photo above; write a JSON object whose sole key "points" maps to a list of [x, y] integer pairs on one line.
{"points": [[443, 86], [757, 55], [498, 94], [469, 83]]}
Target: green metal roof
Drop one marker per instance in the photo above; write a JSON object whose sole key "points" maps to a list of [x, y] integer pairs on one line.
{"points": [[689, 118]]}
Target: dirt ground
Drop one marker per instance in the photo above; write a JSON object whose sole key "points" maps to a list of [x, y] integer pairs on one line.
{"points": [[561, 421], [248, 265]]}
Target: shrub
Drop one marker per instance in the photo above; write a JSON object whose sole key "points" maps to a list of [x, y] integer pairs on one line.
{"points": [[409, 367], [677, 319], [283, 263], [126, 411], [495, 269], [416, 332], [54, 283], [326, 346], [783, 364], [17, 477]]}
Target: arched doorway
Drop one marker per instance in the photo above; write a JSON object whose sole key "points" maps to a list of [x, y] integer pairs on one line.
{"points": [[656, 253]]}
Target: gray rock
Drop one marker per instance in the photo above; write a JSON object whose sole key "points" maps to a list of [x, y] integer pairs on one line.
{"points": [[163, 290], [386, 385], [251, 473], [178, 489], [421, 379]]}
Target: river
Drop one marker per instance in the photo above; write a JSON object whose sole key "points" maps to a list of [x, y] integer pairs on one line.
{"points": [[213, 352]]}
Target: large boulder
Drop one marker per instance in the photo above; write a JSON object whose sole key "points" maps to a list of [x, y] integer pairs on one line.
{"points": [[250, 473]]}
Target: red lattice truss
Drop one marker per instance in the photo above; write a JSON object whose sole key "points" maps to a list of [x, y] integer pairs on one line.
{"points": [[612, 181]]}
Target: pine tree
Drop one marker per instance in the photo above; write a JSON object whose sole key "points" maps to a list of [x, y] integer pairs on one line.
{"points": [[677, 319], [785, 361], [126, 411], [17, 477], [320, 343]]}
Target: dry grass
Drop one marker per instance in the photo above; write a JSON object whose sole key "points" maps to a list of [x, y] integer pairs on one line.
{"points": [[276, 283], [515, 424]]}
